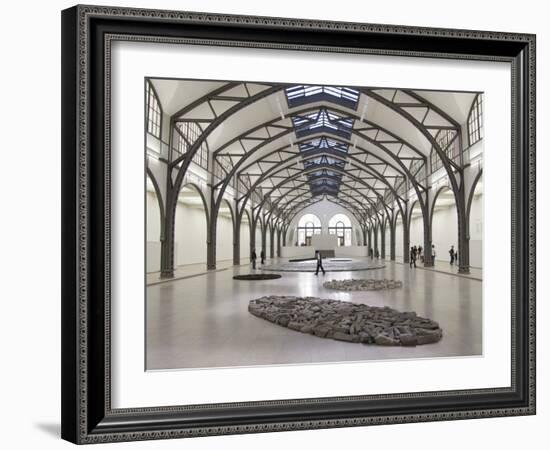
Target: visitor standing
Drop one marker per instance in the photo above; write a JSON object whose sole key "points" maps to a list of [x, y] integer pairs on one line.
{"points": [[420, 255], [262, 257], [412, 257], [253, 259], [452, 254], [377, 254], [319, 259]]}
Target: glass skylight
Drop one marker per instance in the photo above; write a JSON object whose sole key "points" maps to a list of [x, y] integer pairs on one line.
{"points": [[322, 121], [324, 143], [302, 94]]}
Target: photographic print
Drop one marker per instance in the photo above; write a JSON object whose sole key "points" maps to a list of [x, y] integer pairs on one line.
{"points": [[276, 224], [305, 223]]}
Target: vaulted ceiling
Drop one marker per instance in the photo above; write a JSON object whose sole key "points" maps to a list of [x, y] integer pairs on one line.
{"points": [[295, 144]]}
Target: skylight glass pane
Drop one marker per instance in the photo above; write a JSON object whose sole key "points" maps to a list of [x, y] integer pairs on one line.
{"points": [[302, 94], [323, 120]]}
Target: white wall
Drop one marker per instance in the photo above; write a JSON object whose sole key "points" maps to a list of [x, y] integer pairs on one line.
{"points": [[297, 252], [267, 243], [244, 241], [445, 233], [224, 238], [325, 210], [417, 229], [388, 240], [153, 232], [341, 252], [190, 235], [476, 232], [324, 241], [258, 240], [399, 240]]}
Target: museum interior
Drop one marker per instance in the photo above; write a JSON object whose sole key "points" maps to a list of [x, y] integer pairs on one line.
{"points": [[380, 187]]}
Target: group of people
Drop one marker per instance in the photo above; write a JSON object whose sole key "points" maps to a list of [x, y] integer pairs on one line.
{"points": [[416, 253], [253, 258], [374, 253]]}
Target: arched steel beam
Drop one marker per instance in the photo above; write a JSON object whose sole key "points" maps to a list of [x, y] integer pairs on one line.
{"points": [[343, 193], [416, 185], [344, 204], [447, 163], [159, 200], [290, 130], [303, 205], [325, 152], [340, 157], [204, 99], [472, 191], [268, 174], [303, 172], [203, 199], [430, 105], [434, 200], [364, 211], [188, 156], [358, 207], [335, 169], [315, 169]]}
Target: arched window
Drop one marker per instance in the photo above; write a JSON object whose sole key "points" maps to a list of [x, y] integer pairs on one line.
{"points": [[308, 225], [340, 225], [310, 229], [185, 134], [154, 111], [475, 121]]}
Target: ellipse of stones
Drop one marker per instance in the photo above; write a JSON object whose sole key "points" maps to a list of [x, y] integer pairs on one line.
{"points": [[346, 321], [362, 284]]}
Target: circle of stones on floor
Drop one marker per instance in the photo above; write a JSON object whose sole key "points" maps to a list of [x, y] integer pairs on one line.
{"points": [[362, 284], [257, 276], [346, 321]]}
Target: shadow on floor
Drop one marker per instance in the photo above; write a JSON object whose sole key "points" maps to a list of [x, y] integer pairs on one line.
{"points": [[53, 429]]}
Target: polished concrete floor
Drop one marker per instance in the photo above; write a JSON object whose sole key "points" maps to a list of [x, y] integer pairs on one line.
{"points": [[202, 321]]}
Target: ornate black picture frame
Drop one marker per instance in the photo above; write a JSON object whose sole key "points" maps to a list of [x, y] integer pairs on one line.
{"points": [[87, 34]]}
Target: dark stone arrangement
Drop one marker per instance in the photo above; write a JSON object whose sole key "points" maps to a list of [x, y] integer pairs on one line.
{"points": [[345, 321], [362, 284], [257, 276]]}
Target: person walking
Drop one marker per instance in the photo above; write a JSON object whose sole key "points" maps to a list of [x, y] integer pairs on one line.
{"points": [[412, 258], [253, 259], [420, 255], [452, 254], [319, 259], [262, 257], [377, 254], [370, 252]]}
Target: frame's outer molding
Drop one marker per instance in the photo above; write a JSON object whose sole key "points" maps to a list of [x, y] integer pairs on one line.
{"points": [[87, 416]]}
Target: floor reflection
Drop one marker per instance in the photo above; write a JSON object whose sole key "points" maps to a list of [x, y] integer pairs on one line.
{"points": [[203, 321]]}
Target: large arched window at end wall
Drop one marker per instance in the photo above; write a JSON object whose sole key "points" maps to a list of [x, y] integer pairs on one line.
{"points": [[340, 225], [153, 111], [308, 225]]}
